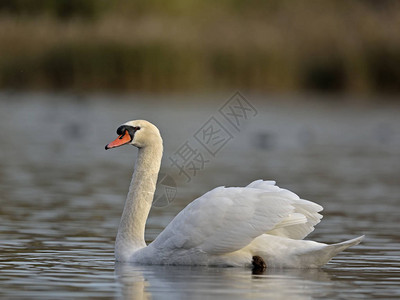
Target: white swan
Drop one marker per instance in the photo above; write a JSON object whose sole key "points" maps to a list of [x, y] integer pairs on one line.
{"points": [[238, 226]]}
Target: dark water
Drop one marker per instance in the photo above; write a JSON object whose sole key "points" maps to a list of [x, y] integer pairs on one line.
{"points": [[62, 194]]}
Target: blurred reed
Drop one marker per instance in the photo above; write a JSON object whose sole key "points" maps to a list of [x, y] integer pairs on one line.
{"points": [[278, 45]]}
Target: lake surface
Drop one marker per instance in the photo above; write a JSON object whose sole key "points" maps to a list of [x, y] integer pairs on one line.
{"points": [[62, 195]]}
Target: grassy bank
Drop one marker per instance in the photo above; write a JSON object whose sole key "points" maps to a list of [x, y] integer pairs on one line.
{"points": [[326, 46]]}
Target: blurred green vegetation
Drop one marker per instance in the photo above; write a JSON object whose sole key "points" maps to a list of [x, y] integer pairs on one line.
{"points": [[60, 9], [278, 45]]}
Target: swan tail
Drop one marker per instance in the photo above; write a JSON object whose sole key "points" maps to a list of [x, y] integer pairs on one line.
{"points": [[319, 257], [279, 252], [334, 249]]}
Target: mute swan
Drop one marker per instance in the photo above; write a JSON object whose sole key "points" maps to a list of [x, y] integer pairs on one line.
{"points": [[260, 224]]}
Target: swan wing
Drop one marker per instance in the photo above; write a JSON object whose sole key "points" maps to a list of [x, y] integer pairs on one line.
{"points": [[301, 222], [228, 219]]}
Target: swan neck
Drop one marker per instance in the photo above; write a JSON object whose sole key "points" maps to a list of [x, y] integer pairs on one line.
{"points": [[130, 237]]}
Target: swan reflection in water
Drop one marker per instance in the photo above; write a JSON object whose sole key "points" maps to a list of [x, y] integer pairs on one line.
{"points": [[191, 282]]}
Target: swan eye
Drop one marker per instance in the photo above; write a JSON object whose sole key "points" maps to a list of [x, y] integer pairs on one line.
{"points": [[136, 128]]}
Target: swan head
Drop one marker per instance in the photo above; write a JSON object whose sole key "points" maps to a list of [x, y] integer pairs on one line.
{"points": [[139, 133]]}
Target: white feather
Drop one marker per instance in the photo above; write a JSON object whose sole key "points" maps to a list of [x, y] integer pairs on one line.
{"points": [[225, 220]]}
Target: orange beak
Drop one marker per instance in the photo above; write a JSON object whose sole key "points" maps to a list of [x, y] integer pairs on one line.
{"points": [[119, 141]]}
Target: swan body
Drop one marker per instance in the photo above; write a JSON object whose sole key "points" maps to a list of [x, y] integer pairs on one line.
{"points": [[224, 227]]}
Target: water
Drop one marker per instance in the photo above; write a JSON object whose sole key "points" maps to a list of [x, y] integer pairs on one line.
{"points": [[62, 195]]}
